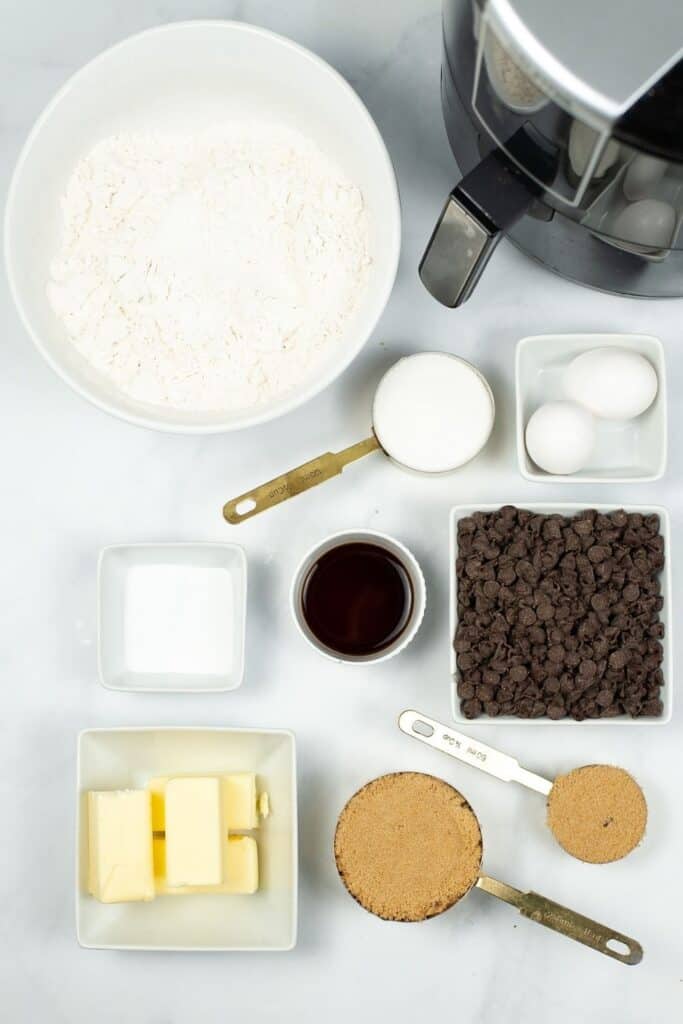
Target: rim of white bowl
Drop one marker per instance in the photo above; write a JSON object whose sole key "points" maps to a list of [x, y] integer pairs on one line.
{"points": [[383, 294], [412, 567]]}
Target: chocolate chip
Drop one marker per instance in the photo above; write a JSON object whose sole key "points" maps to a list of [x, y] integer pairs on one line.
{"points": [[519, 673], [527, 617], [471, 708], [618, 660]]}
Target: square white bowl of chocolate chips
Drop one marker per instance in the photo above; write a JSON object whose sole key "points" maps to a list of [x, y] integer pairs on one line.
{"points": [[664, 618]]}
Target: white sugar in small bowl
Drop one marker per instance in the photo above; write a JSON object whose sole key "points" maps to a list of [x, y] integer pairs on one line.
{"points": [[433, 412], [171, 617], [193, 73]]}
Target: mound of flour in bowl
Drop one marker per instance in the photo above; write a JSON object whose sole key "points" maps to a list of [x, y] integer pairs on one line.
{"points": [[210, 271]]}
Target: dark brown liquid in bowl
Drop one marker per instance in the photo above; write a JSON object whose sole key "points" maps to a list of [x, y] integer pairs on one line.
{"points": [[357, 599]]}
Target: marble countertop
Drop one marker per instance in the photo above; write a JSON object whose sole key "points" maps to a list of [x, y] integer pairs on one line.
{"points": [[75, 479]]}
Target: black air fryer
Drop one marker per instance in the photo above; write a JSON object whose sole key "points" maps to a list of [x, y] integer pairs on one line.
{"points": [[566, 122]]}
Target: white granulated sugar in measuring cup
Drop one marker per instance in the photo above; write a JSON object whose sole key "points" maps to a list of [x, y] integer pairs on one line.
{"points": [[433, 412]]}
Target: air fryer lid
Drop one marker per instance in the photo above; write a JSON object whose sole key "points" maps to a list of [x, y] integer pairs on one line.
{"points": [[616, 64]]}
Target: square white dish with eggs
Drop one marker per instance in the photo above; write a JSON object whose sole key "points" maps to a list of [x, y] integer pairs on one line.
{"points": [[626, 451], [459, 512], [127, 758], [172, 617]]}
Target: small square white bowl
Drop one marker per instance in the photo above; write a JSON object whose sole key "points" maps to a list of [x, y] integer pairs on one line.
{"points": [[126, 759], [632, 451], [566, 509], [114, 566]]}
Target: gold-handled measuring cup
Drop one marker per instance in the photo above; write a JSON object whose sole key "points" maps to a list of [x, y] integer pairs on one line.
{"points": [[532, 905], [324, 467], [502, 766]]}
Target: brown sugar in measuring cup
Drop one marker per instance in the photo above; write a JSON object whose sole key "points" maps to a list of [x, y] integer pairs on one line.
{"points": [[597, 813], [408, 846]]}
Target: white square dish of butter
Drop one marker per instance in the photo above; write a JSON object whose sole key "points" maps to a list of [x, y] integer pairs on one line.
{"points": [[187, 876], [171, 617]]}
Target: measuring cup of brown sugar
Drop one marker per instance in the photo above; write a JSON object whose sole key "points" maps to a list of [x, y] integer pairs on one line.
{"points": [[358, 596], [596, 813], [408, 846]]}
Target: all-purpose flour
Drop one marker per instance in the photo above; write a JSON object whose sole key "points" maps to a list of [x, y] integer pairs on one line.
{"points": [[209, 271]]}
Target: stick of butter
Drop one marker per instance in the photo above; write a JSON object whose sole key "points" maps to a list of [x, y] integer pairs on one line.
{"points": [[239, 801], [120, 866], [241, 806], [194, 832], [240, 869]]}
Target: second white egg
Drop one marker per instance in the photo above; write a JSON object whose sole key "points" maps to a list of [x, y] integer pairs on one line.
{"points": [[560, 437], [648, 222]]}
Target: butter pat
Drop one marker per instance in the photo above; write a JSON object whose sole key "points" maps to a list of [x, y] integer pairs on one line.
{"points": [[240, 869], [240, 809], [194, 832], [240, 865], [241, 805], [120, 846]]}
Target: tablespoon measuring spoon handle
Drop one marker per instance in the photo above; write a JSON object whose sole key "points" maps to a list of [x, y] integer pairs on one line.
{"points": [[285, 486], [565, 921], [470, 751]]}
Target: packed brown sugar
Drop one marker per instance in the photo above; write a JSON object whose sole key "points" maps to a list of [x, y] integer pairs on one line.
{"points": [[408, 846], [597, 813]]}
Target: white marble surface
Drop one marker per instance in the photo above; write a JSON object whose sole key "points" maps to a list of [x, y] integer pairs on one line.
{"points": [[75, 480]]}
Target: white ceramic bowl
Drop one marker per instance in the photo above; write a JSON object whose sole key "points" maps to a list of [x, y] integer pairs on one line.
{"points": [[199, 71], [406, 558], [218, 665], [666, 614], [128, 758], [629, 451]]}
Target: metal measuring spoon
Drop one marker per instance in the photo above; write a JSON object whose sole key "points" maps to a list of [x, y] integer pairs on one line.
{"points": [[383, 438], [508, 769]]}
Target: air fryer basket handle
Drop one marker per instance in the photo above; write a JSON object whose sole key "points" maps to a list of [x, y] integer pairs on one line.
{"points": [[484, 204]]}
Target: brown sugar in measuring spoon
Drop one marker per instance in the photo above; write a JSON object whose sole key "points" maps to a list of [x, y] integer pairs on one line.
{"points": [[596, 813], [408, 846]]}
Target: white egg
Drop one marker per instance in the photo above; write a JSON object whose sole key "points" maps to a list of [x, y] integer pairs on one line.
{"points": [[649, 222], [582, 142], [613, 383], [560, 437], [643, 175]]}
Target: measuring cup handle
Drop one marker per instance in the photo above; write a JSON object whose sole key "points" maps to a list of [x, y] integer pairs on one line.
{"points": [[295, 481], [464, 748], [565, 921]]}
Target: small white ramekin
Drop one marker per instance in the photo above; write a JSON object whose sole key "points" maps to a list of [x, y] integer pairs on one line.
{"points": [[411, 566]]}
